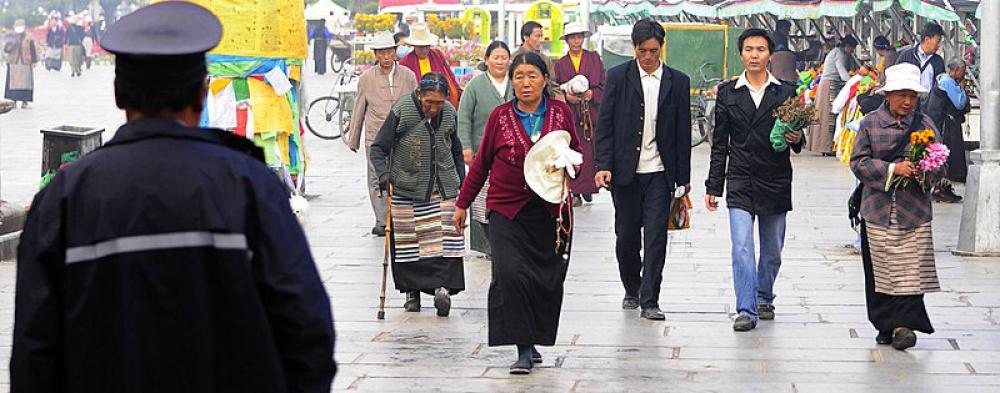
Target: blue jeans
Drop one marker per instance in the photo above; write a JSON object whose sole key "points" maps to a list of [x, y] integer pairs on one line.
{"points": [[753, 280]]}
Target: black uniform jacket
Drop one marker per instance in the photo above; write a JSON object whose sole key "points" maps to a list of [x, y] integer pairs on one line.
{"points": [[759, 178], [168, 261], [620, 125]]}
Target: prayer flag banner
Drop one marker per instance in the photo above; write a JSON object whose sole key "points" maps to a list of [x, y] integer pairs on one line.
{"points": [[260, 28]]}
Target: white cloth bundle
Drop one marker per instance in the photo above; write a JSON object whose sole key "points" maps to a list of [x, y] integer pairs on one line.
{"points": [[578, 85]]}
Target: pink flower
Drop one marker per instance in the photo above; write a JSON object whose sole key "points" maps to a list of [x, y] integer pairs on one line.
{"points": [[936, 155]]}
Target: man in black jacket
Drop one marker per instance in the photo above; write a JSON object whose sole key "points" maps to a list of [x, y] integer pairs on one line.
{"points": [[758, 176], [168, 260], [924, 55], [643, 153]]}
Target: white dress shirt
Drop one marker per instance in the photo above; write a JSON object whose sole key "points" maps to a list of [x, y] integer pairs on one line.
{"points": [[927, 71], [756, 94], [649, 155]]}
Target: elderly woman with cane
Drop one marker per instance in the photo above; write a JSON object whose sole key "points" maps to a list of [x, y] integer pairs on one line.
{"points": [[528, 234], [895, 207], [418, 152]]}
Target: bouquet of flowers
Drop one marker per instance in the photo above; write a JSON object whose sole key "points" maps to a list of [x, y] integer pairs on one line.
{"points": [[928, 154], [791, 116]]}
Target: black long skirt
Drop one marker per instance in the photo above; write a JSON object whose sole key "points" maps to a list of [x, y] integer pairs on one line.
{"points": [[887, 312], [526, 293], [319, 55], [958, 167]]}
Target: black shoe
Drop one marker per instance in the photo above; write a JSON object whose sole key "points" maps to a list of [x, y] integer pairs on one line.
{"points": [[744, 323], [442, 302], [883, 338], [378, 231], [521, 367], [653, 314], [588, 197], [945, 197], [765, 311], [535, 356], [903, 338], [630, 303], [949, 192], [412, 302]]}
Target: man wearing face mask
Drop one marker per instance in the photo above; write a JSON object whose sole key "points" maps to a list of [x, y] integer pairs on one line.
{"points": [[378, 89]]}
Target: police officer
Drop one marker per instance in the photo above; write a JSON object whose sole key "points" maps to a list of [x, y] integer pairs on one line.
{"points": [[169, 259]]}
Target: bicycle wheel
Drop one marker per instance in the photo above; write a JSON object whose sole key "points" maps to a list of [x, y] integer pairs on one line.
{"points": [[322, 118], [699, 130]]}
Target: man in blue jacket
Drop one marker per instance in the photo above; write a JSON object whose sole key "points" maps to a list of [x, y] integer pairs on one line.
{"points": [[168, 260]]}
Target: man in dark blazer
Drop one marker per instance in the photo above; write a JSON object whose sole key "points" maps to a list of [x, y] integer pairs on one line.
{"points": [[643, 154], [757, 177]]}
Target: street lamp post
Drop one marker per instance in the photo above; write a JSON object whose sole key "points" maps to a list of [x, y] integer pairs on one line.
{"points": [[979, 234]]}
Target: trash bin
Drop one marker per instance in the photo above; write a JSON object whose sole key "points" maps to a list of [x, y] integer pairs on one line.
{"points": [[63, 141]]}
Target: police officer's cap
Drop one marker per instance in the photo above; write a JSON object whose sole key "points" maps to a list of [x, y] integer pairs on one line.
{"points": [[163, 45]]}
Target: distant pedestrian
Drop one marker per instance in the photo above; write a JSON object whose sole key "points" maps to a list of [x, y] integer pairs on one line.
{"points": [[947, 105], [924, 55], [757, 179], [424, 59], [321, 42], [526, 291], [22, 54], [55, 38], [643, 155], [169, 259], [484, 93], [783, 63], [379, 88], [836, 73], [581, 64], [887, 55], [74, 45], [417, 152], [531, 42], [897, 245]]}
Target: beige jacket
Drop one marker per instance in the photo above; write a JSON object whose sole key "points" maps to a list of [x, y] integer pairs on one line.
{"points": [[374, 100]]}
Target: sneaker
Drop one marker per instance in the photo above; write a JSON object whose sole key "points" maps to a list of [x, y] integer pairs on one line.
{"points": [[765, 311], [744, 323], [412, 302], [903, 338], [442, 302]]}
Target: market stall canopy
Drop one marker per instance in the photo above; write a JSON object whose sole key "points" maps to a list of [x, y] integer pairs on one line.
{"points": [[327, 10], [790, 9], [931, 9], [702, 8]]}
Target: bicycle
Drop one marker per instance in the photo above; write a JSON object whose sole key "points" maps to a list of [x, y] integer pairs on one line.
{"points": [[703, 108], [328, 117]]}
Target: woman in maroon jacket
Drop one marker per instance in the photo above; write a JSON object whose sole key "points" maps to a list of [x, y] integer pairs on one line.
{"points": [[527, 289]]}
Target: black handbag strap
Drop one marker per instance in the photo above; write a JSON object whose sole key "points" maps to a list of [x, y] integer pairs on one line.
{"points": [[915, 126]]}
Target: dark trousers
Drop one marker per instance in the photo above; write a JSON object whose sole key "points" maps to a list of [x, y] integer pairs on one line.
{"points": [[642, 205]]}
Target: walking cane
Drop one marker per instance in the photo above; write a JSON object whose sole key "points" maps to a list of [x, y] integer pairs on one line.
{"points": [[386, 255]]}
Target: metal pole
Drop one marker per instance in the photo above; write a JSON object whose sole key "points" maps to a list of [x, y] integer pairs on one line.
{"points": [[502, 20], [979, 234]]}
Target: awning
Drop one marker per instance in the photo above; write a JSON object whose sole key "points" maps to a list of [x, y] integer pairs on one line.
{"points": [[930, 9], [790, 9]]}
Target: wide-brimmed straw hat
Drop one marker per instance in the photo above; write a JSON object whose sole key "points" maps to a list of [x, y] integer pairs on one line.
{"points": [[548, 163], [383, 40], [420, 35], [575, 28], [904, 76]]}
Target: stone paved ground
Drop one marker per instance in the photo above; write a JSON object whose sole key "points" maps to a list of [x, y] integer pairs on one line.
{"points": [[820, 342]]}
